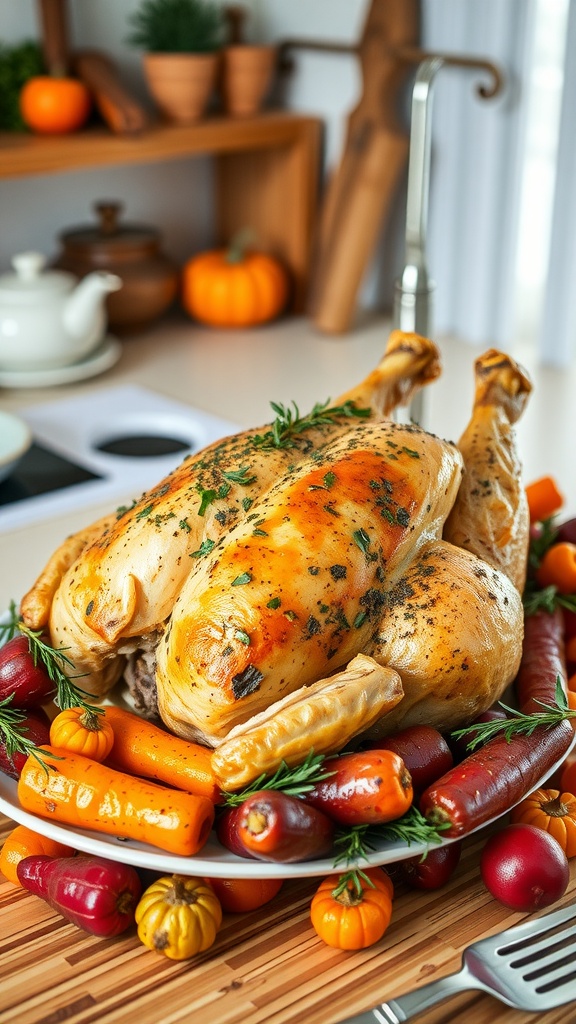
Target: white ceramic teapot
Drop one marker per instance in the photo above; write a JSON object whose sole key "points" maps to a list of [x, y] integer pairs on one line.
{"points": [[48, 318]]}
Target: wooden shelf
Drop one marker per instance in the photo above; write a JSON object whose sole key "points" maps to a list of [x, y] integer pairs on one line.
{"points": [[266, 167]]}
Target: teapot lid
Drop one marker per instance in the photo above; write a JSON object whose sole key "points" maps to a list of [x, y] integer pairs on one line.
{"points": [[30, 280]]}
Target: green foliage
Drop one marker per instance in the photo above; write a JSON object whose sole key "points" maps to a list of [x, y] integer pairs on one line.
{"points": [[17, 65], [177, 26]]}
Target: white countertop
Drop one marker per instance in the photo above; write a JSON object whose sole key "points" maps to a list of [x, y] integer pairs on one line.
{"points": [[235, 376]]}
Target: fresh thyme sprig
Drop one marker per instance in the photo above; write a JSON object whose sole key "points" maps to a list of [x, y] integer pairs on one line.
{"points": [[55, 661], [295, 781], [519, 723], [13, 732], [289, 423]]}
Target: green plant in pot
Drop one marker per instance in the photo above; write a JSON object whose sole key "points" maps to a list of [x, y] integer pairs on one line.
{"points": [[182, 41]]}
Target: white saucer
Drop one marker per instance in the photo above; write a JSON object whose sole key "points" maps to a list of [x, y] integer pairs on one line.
{"points": [[105, 356]]}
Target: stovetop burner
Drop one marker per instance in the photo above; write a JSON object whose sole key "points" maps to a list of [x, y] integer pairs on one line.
{"points": [[109, 445]]}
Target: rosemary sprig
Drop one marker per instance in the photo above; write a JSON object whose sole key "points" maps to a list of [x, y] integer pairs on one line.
{"points": [[295, 781], [358, 841], [14, 732], [546, 599], [289, 423], [519, 723], [55, 661]]}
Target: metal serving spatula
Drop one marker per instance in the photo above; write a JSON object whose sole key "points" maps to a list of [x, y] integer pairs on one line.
{"points": [[530, 967]]}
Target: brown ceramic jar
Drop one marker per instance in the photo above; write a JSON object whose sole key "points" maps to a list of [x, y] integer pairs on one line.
{"points": [[132, 251]]}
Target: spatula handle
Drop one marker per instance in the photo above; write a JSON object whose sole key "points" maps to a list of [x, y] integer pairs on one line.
{"points": [[396, 1011]]}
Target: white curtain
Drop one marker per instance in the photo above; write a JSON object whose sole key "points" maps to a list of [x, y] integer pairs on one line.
{"points": [[477, 151], [557, 338]]}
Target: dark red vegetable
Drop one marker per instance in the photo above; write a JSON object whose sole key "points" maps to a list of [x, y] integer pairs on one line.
{"points": [[567, 531], [434, 869], [274, 826], [227, 824], [524, 868], [460, 744], [35, 727], [490, 780], [423, 750], [368, 787], [97, 895], [29, 683], [543, 660]]}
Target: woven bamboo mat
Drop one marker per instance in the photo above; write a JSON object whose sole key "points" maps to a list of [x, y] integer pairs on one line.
{"points": [[267, 967]]}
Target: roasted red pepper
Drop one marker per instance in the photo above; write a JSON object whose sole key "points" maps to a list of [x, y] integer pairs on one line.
{"points": [[97, 895], [274, 826]]}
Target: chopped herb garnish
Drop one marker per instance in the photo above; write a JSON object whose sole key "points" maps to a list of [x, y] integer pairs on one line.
{"points": [[185, 525], [362, 539], [240, 476], [207, 497], [240, 580], [204, 549], [242, 636], [274, 602], [145, 512]]}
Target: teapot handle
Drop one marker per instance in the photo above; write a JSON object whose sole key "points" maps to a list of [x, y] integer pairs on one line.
{"points": [[29, 265]]}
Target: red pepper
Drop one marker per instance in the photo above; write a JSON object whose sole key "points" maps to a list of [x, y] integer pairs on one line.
{"points": [[97, 895]]}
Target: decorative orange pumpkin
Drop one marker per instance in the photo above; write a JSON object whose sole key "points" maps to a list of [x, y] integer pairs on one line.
{"points": [[353, 911], [234, 287], [54, 106], [23, 842], [552, 811], [82, 732]]}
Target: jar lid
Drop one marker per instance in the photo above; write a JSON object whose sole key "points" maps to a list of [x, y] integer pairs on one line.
{"points": [[108, 232], [31, 281]]}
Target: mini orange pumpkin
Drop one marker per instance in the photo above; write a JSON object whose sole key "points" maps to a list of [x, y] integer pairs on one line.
{"points": [[82, 732], [351, 912], [23, 842], [552, 811], [234, 287]]}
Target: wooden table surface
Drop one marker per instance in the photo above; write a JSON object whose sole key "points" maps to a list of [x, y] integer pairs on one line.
{"points": [[266, 967]]}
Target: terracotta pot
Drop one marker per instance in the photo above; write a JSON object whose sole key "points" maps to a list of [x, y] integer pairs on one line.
{"points": [[247, 75], [181, 84], [132, 251]]}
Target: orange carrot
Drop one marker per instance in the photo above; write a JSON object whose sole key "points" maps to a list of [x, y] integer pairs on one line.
{"points": [[142, 748], [558, 568], [571, 659], [544, 499], [88, 795]]}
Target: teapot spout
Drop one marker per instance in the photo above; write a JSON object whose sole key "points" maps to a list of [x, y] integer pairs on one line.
{"points": [[84, 312]]}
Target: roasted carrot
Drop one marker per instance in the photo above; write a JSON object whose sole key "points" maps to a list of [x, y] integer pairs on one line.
{"points": [[558, 568], [142, 748], [88, 795], [544, 499]]}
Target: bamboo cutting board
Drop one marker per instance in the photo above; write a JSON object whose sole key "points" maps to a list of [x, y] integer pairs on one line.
{"points": [[363, 186], [267, 967]]}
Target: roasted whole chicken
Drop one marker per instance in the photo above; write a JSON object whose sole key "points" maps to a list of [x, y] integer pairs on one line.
{"points": [[317, 580]]}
